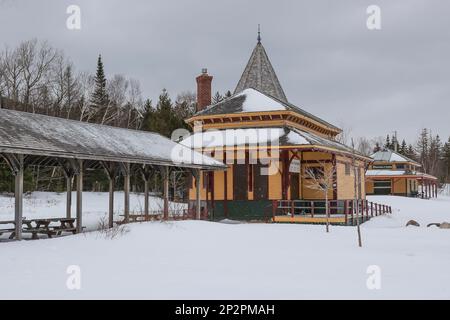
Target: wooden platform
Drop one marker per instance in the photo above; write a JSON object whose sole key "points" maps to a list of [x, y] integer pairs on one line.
{"points": [[306, 219]]}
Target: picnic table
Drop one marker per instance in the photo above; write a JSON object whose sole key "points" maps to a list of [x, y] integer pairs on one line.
{"points": [[44, 226], [8, 230]]}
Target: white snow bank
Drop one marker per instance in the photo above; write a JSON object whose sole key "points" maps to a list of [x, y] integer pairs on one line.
{"points": [[205, 260]]}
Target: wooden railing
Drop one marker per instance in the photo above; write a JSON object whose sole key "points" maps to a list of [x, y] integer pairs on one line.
{"points": [[347, 208]]}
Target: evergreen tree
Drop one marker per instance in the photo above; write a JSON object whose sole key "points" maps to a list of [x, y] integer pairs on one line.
{"points": [[217, 98], [99, 97], [422, 149], [403, 148], [446, 160], [149, 113], [410, 153], [228, 94], [387, 145], [163, 120], [377, 147]]}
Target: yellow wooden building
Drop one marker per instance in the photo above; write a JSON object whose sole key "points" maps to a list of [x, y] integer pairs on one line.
{"points": [[268, 143], [391, 173]]}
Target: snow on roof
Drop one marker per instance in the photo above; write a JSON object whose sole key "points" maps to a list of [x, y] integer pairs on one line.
{"points": [[374, 173], [284, 136], [28, 133], [390, 156], [253, 100], [385, 172], [256, 101]]}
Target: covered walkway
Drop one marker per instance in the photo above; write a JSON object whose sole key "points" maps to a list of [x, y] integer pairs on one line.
{"points": [[30, 139]]}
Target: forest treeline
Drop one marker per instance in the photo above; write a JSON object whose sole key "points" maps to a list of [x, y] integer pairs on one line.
{"points": [[427, 149]]}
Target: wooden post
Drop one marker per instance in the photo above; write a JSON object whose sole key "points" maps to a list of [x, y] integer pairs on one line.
{"points": [[146, 195], [362, 209], [69, 196], [292, 208], [312, 209], [79, 226], [274, 209], [126, 188], [166, 192], [346, 211], [197, 194], [18, 206], [111, 203], [371, 209]]}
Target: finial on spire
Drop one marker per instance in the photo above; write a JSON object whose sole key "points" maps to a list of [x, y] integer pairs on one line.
{"points": [[259, 33]]}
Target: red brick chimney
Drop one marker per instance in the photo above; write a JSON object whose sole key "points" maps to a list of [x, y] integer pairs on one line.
{"points": [[203, 90]]}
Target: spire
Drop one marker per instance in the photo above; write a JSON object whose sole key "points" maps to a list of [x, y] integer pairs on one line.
{"points": [[259, 33], [260, 75]]}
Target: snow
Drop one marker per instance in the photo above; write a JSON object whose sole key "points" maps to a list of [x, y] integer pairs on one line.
{"points": [[95, 206], [206, 260], [44, 134], [256, 101], [234, 137], [297, 139], [385, 172]]}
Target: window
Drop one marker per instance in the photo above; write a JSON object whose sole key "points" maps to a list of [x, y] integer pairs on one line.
{"points": [[382, 167], [382, 187], [347, 169], [400, 166]]}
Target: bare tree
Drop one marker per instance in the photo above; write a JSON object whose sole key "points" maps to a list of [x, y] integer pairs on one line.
{"points": [[186, 104], [321, 178], [36, 61], [357, 191], [365, 147], [86, 82], [344, 136], [12, 73]]}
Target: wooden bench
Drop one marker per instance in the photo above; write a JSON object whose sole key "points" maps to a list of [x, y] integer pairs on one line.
{"points": [[12, 231], [42, 226], [35, 231]]}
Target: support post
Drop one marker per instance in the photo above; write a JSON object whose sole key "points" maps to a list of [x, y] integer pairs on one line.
{"points": [[166, 192], [79, 226], [146, 195], [126, 188], [18, 210], [69, 179], [111, 202], [197, 194]]}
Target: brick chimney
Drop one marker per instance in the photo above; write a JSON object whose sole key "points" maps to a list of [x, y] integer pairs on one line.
{"points": [[203, 90]]}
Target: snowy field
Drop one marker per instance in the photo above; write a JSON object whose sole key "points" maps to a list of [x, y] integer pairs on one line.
{"points": [[95, 206], [205, 260]]}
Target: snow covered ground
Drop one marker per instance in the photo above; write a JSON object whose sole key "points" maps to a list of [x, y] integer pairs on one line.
{"points": [[95, 206], [206, 260]]}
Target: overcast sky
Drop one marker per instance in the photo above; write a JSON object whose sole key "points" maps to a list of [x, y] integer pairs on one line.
{"points": [[328, 62]]}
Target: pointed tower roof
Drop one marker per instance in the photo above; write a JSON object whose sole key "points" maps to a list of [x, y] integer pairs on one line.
{"points": [[259, 74]]}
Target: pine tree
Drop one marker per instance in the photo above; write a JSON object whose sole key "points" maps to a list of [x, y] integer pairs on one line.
{"points": [[422, 149], [149, 113], [410, 153], [99, 97], [387, 145], [217, 98], [446, 160], [403, 148], [376, 148], [163, 120]]}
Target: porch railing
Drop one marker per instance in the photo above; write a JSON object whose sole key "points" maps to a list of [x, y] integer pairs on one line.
{"points": [[348, 209]]}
